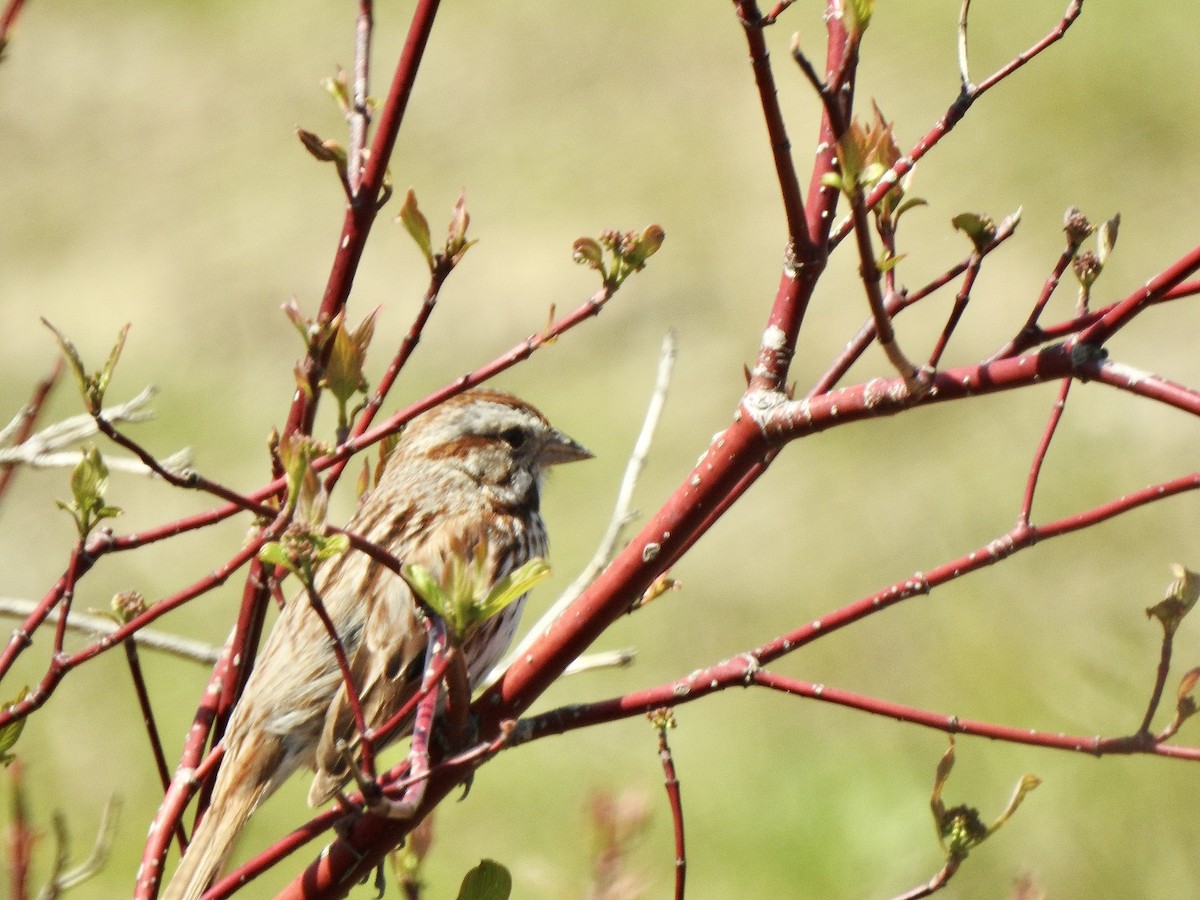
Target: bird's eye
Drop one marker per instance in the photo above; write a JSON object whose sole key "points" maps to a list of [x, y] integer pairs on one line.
{"points": [[514, 437]]}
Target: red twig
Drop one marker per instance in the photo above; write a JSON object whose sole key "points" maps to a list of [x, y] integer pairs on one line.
{"points": [[671, 783], [960, 305], [1160, 681], [21, 837], [936, 883], [361, 213], [8, 19], [63, 663], [42, 389], [1039, 456], [352, 694], [442, 268], [1031, 324], [1155, 289], [893, 305], [781, 148], [743, 669], [166, 822], [957, 110]]}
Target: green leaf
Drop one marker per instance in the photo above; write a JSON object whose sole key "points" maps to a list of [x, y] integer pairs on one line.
{"points": [[856, 15], [72, 355], [338, 87], [908, 204], [10, 732], [832, 180], [646, 245], [110, 364], [1024, 786], [421, 580], [417, 225], [344, 371], [980, 229], [487, 881], [273, 554], [89, 480], [333, 545], [92, 387], [513, 585]]}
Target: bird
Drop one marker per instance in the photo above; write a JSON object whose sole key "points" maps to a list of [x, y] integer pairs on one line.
{"points": [[465, 475]]}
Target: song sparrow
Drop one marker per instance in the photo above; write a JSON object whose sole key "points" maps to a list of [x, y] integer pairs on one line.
{"points": [[467, 473]]}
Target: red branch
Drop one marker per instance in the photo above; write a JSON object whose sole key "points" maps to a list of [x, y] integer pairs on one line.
{"points": [[360, 215], [32, 409]]}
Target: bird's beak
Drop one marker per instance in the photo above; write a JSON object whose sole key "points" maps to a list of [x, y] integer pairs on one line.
{"points": [[558, 448]]}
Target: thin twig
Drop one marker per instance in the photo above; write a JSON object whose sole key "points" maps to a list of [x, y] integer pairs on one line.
{"points": [[935, 884], [963, 69], [957, 110], [359, 113], [100, 849], [609, 659], [184, 648], [663, 720], [71, 431], [22, 427], [8, 19], [1039, 457]]}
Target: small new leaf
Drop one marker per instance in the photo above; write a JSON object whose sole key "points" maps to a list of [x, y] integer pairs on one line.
{"points": [[1181, 596], [415, 223], [856, 16], [1024, 786], [487, 881], [980, 229], [1106, 238], [323, 151], [10, 732], [456, 236], [464, 596], [587, 252], [1185, 702], [273, 554], [514, 585], [338, 87], [128, 605], [89, 481], [92, 386], [344, 371], [618, 254], [960, 829]]}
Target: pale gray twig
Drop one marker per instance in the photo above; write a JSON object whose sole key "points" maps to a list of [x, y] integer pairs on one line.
{"points": [[185, 648], [96, 859], [606, 659], [45, 448]]}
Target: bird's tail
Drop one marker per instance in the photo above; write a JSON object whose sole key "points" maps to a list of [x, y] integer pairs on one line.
{"points": [[211, 844]]}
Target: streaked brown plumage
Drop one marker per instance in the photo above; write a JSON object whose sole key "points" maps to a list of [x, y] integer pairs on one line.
{"points": [[466, 473]]}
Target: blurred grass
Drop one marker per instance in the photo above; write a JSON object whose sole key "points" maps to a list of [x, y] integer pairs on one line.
{"points": [[150, 175]]}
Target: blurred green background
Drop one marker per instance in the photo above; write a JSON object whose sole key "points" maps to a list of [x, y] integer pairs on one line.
{"points": [[149, 174]]}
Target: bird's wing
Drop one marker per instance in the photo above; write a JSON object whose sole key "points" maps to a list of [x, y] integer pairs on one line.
{"points": [[389, 659]]}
